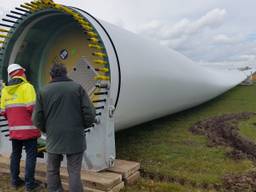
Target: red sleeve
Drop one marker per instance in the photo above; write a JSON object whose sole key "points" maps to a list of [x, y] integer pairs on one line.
{"points": [[3, 113], [30, 109]]}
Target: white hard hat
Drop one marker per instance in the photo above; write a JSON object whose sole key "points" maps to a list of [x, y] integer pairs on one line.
{"points": [[13, 67]]}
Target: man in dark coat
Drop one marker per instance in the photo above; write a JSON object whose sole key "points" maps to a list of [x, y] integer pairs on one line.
{"points": [[63, 110]]}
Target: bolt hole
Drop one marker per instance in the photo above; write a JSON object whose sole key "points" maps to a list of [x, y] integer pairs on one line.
{"points": [[74, 69]]}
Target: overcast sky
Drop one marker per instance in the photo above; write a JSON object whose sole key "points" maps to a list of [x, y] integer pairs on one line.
{"points": [[204, 30]]}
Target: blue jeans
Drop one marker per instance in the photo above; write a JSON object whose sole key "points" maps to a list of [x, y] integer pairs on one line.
{"points": [[31, 152]]}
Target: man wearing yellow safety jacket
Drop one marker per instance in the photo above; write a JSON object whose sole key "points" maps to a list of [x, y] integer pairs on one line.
{"points": [[17, 102]]}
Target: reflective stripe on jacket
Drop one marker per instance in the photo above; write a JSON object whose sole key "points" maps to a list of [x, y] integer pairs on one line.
{"points": [[17, 102]]}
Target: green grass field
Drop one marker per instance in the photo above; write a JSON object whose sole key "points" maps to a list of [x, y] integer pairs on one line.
{"points": [[248, 129], [166, 148]]}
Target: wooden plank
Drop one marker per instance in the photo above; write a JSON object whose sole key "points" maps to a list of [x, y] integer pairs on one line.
{"points": [[131, 180], [4, 170], [87, 189], [116, 188], [4, 161], [125, 168], [115, 176], [102, 181], [40, 168], [37, 178]]}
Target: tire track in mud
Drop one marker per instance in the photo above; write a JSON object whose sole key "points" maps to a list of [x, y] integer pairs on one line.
{"points": [[220, 130], [224, 130]]}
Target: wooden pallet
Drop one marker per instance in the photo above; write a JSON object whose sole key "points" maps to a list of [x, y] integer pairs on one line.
{"points": [[128, 169], [112, 180]]}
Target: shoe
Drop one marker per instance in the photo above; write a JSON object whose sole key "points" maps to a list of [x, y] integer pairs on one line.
{"points": [[35, 187], [20, 183]]}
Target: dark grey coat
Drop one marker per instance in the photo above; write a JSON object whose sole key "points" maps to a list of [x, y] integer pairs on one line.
{"points": [[63, 110]]}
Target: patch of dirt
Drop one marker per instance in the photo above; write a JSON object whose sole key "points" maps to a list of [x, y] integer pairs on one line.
{"points": [[223, 130], [239, 183], [238, 155]]}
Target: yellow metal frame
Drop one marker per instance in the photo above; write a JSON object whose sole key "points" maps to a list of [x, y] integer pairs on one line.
{"points": [[95, 44]]}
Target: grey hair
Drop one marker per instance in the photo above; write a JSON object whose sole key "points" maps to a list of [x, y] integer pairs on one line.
{"points": [[58, 70]]}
